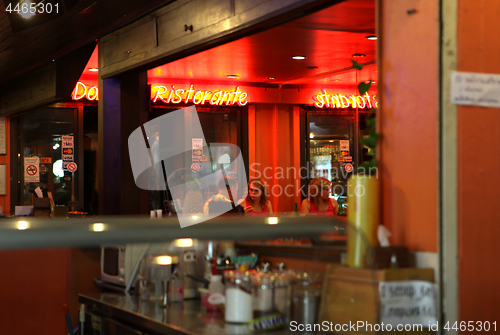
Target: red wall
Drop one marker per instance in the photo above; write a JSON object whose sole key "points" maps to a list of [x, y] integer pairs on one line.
{"points": [[5, 159], [408, 120], [479, 168]]}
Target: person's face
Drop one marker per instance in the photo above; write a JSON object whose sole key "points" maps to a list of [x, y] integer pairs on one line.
{"points": [[325, 192], [254, 192]]}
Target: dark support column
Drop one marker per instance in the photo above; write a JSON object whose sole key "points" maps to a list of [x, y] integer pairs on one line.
{"points": [[135, 105], [109, 187], [123, 107]]}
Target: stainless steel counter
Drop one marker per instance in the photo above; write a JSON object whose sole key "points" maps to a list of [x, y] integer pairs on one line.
{"points": [[30, 232], [186, 318]]}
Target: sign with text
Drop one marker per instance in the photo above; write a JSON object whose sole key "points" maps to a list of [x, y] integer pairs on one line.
{"points": [[67, 142], [408, 302], [31, 169], [344, 145], [475, 89]]}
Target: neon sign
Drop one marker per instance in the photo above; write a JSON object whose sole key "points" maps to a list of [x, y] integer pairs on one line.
{"points": [[198, 97], [173, 95], [326, 100], [85, 91]]}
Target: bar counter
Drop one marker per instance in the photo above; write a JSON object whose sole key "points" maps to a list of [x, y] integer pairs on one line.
{"points": [[128, 314]]}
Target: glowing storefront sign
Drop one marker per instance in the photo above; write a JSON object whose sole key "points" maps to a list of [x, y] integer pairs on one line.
{"points": [[85, 91], [198, 97], [326, 100], [173, 95]]}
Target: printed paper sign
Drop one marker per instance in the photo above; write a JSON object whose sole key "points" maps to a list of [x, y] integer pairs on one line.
{"points": [[31, 169], [408, 302], [67, 141], [476, 89], [344, 145], [348, 159], [46, 160], [197, 147]]}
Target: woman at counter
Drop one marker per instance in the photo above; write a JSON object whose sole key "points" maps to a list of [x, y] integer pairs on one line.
{"points": [[256, 203], [319, 201]]}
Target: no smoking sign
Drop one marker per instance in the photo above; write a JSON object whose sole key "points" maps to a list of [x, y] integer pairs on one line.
{"points": [[72, 167], [31, 170], [349, 167]]}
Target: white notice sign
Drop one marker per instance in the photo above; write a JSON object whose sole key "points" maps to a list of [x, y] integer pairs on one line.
{"points": [[67, 141], [31, 169], [344, 145], [476, 89], [408, 302]]}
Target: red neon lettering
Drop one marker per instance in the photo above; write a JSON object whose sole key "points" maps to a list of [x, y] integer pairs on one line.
{"points": [[336, 103], [199, 99], [214, 101], [359, 101], [170, 95], [205, 96], [342, 99], [91, 96], [318, 101], [327, 98], [189, 93], [178, 96], [228, 101], [375, 101], [79, 87], [368, 100], [241, 100], [236, 93], [353, 98], [159, 92]]}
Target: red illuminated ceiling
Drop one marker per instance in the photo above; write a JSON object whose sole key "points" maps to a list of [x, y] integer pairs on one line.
{"points": [[328, 38]]}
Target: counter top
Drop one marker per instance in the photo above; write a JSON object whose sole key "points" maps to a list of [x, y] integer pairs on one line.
{"points": [[186, 318], [31, 232]]}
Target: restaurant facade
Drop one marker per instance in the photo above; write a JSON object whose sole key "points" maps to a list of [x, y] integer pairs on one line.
{"points": [[426, 153]]}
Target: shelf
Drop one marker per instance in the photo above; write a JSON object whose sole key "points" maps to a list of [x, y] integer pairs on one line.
{"points": [[76, 232]]}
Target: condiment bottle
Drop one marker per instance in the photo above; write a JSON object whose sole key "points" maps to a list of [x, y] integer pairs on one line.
{"points": [[282, 290], [263, 291], [238, 296]]}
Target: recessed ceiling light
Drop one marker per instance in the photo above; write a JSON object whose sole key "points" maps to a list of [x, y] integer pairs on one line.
{"points": [[299, 57], [371, 37], [372, 81], [271, 78], [233, 76], [358, 55], [336, 80], [93, 69]]}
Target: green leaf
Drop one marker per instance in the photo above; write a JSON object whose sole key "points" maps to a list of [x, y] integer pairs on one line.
{"points": [[364, 87], [371, 122], [356, 65], [371, 112], [370, 141]]}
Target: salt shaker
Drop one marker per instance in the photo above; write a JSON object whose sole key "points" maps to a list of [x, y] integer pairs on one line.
{"points": [[238, 296], [263, 291]]}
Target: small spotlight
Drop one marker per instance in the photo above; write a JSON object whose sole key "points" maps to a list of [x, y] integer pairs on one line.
{"points": [[271, 78], [93, 69], [97, 227], [23, 225], [232, 76], [358, 55], [299, 57], [371, 37], [183, 243], [272, 220]]}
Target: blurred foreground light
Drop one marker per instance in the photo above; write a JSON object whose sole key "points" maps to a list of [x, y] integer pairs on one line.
{"points": [[22, 225], [98, 227], [184, 242], [272, 220], [163, 260]]}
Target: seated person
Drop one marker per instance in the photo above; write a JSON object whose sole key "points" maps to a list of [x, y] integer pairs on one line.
{"points": [[256, 203], [222, 202], [320, 201]]}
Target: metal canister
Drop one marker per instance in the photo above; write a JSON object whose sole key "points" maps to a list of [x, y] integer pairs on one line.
{"points": [[306, 295]]}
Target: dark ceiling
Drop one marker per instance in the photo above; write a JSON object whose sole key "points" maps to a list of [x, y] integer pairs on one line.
{"points": [[26, 44]]}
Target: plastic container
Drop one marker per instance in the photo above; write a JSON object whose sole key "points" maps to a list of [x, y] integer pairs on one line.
{"points": [[306, 296], [216, 285], [238, 297], [263, 292]]}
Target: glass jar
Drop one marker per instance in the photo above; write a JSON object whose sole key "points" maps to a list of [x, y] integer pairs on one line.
{"points": [[263, 293], [306, 295], [238, 296], [282, 292]]}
